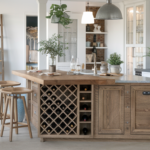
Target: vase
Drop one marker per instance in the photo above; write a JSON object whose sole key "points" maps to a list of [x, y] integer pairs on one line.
{"points": [[20, 109], [95, 28], [55, 19], [99, 28], [104, 67], [52, 64], [115, 69]]}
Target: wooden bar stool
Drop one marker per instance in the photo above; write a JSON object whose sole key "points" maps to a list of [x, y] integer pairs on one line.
{"points": [[4, 84], [11, 95]]}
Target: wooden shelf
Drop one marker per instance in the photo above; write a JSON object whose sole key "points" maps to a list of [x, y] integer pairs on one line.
{"points": [[88, 101], [31, 62], [85, 121], [96, 32], [92, 63], [85, 110], [85, 92], [97, 47]]}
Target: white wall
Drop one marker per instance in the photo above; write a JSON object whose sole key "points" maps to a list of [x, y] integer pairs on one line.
{"points": [[115, 37], [14, 12]]}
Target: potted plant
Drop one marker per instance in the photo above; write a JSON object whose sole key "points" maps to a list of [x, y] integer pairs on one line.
{"points": [[53, 47], [58, 15], [115, 62]]}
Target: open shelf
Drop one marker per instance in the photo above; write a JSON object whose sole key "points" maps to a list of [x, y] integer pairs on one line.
{"points": [[97, 48], [96, 32], [92, 63]]}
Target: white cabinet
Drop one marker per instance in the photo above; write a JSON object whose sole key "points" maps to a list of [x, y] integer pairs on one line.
{"points": [[136, 34]]}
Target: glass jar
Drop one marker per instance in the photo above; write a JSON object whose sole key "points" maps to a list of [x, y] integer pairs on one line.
{"points": [[52, 64]]}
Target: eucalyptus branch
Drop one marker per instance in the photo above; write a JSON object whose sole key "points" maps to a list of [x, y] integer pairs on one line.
{"points": [[53, 46]]}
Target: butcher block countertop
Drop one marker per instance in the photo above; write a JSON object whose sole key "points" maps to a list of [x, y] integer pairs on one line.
{"points": [[64, 78], [79, 79]]}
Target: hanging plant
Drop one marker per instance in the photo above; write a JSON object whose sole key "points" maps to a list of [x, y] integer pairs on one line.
{"points": [[58, 15]]}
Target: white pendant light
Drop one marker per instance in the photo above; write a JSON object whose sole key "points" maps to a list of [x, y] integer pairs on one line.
{"points": [[87, 17]]}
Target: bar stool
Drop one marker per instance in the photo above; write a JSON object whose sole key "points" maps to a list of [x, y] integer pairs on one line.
{"points": [[11, 95], [4, 84]]}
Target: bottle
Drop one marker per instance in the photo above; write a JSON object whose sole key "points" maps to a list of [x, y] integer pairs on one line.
{"points": [[58, 111], [71, 125], [44, 116], [44, 98], [63, 107], [58, 103], [44, 125], [49, 93], [44, 107], [72, 107], [94, 40], [49, 111], [72, 64], [85, 131], [53, 107], [84, 107], [49, 102], [53, 98], [85, 118], [48, 130], [83, 98], [44, 88], [67, 120], [88, 28], [54, 88], [48, 121]]}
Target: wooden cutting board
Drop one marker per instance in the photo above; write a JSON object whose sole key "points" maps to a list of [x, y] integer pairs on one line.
{"points": [[111, 74]]}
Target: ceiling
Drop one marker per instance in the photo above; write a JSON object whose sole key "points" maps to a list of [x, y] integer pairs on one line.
{"points": [[115, 1]]}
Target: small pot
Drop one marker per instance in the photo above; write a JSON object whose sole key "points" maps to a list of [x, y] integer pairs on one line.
{"points": [[52, 68], [115, 69]]}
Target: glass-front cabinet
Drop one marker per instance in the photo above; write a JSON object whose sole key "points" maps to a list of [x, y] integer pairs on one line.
{"points": [[135, 37]]}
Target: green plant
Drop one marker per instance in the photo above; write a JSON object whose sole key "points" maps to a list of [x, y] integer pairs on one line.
{"points": [[53, 46], [59, 11], [147, 53], [115, 59]]}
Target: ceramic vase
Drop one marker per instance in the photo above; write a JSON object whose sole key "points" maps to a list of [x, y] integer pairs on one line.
{"points": [[115, 69], [95, 27], [99, 28], [104, 67]]}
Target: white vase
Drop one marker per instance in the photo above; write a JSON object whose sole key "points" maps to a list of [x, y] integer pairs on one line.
{"points": [[95, 27], [104, 67], [99, 28], [115, 69]]}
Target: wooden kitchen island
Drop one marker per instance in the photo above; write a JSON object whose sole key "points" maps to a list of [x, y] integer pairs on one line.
{"points": [[116, 107]]}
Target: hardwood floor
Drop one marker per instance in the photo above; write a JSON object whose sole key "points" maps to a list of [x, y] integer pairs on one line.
{"points": [[22, 141]]}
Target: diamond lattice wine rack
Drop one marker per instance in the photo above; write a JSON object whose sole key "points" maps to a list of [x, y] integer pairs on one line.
{"points": [[58, 109]]}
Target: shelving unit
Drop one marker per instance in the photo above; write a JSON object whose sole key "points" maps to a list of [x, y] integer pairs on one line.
{"points": [[86, 91], [100, 37]]}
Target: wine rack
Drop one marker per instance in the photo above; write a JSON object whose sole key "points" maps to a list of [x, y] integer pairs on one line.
{"points": [[86, 110], [58, 109]]}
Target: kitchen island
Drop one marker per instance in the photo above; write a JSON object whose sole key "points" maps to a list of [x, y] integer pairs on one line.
{"points": [[86, 106]]}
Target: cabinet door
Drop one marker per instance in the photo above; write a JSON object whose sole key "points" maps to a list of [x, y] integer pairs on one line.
{"points": [[140, 110], [111, 109]]}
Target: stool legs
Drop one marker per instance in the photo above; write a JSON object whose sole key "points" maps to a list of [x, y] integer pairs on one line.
{"points": [[1, 107], [5, 114], [11, 119], [16, 114], [26, 113]]}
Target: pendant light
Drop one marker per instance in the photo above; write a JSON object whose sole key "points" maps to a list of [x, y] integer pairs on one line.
{"points": [[109, 12], [87, 17]]}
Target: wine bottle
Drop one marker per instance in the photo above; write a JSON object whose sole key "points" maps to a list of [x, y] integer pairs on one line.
{"points": [[54, 88], [48, 121], [71, 125], [84, 107], [48, 130], [44, 125], [94, 40], [53, 98], [58, 102], [49, 93], [67, 120], [49, 102], [85, 118], [85, 131], [83, 98], [44, 116], [63, 107], [44, 107], [49, 111], [53, 107], [44, 98], [44, 88], [58, 111]]}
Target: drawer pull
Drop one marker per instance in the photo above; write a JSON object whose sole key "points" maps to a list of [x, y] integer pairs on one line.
{"points": [[146, 93], [34, 112], [34, 94]]}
